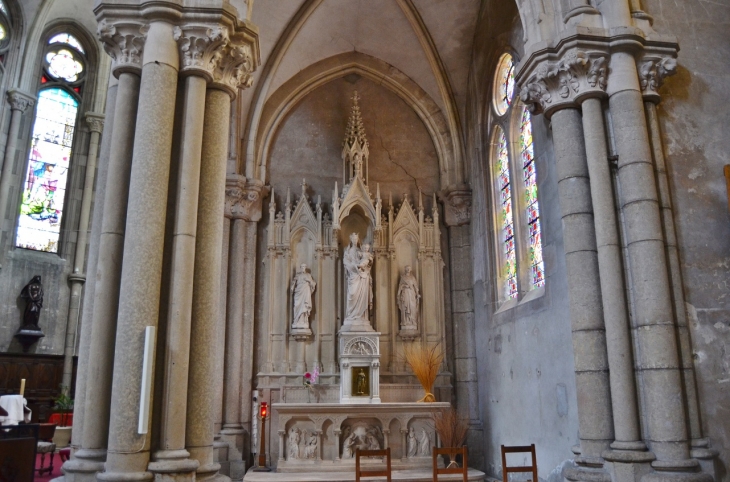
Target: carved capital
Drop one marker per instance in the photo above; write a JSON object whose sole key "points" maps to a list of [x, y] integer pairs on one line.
{"points": [[234, 67], [457, 205], [244, 198], [19, 100], [95, 122], [652, 72], [565, 83], [124, 42], [200, 48]]}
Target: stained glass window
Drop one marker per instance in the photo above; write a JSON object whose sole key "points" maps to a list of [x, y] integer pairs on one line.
{"points": [[3, 32], [4, 8], [45, 186], [63, 65], [504, 87], [529, 176], [64, 38], [507, 236]]}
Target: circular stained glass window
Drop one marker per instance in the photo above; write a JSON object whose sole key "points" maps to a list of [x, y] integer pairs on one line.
{"points": [[3, 32], [504, 84], [63, 65]]}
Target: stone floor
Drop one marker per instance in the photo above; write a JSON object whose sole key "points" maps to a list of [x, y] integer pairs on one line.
{"points": [[415, 475]]}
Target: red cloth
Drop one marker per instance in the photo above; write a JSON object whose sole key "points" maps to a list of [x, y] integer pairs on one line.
{"points": [[58, 417]]}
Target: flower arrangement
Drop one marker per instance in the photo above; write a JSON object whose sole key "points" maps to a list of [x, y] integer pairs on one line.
{"points": [[425, 362], [310, 379]]}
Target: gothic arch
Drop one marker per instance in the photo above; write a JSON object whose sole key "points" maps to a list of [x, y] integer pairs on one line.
{"points": [[295, 89]]}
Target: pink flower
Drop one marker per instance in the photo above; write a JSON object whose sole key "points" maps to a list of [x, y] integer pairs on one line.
{"points": [[307, 375]]}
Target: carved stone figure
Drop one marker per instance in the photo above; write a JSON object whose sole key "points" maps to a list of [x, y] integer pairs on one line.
{"points": [[408, 297], [424, 444], [362, 388], [294, 437], [32, 293], [412, 443], [302, 287], [310, 450], [358, 264], [348, 446]]}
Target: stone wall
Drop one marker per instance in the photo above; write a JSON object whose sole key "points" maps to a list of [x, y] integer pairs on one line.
{"points": [[694, 118], [525, 362]]}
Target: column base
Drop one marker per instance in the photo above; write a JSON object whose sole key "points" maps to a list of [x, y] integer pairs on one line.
{"points": [[173, 466], [83, 466], [585, 474]]}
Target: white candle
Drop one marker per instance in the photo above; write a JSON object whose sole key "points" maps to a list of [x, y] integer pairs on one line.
{"points": [[22, 387]]}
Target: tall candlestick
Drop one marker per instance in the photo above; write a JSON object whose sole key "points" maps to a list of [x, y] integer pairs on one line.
{"points": [[22, 387]]}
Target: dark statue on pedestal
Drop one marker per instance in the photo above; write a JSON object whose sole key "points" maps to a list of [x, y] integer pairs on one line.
{"points": [[29, 331]]}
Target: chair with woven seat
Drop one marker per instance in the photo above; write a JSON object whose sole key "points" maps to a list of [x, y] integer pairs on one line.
{"points": [[372, 473], [46, 446], [452, 452], [518, 449]]}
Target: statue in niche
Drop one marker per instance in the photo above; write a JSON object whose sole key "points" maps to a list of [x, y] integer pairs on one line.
{"points": [[302, 286], [408, 297], [294, 437], [32, 293], [362, 388], [424, 444], [412, 443], [310, 449], [349, 445], [358, 263]]}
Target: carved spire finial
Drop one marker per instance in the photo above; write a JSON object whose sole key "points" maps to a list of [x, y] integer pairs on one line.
{"points": [[355, 147]]}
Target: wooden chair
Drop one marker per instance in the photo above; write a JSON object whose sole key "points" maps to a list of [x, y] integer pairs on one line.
{"points": [[372, 473], [452, 452], [506, 470], [46, 446]]}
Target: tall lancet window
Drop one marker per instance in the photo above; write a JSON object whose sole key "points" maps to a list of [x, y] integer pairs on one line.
{"points": [[5, 34], [516, 207], [44, 188]]}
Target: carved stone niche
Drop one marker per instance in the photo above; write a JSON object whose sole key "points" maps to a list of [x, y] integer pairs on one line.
{"points": [[362, 434], [360, 363]]}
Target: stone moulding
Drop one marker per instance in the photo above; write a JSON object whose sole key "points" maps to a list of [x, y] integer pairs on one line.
{"points": [[457, 205], [578, 67], [244, 198]]}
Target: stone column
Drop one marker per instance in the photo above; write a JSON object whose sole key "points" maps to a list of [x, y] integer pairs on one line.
{"points": [[653, 320], [139, 296], [457, 216], [232, 428], [584, 290], [20, 102], [101, 315], [77, 278], [613, 293], [206, 307], [197, 47], [652, 73], [87, 309]]}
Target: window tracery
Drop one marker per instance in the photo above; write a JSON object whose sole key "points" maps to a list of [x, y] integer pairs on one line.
{"points": [[517, 210]]}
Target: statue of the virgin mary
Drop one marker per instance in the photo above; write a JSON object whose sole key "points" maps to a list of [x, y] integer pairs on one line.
{"points": [[358, 263]]}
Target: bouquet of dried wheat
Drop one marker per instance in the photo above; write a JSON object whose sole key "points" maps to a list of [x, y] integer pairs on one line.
{"points": [[451, 429], [425, 362]]}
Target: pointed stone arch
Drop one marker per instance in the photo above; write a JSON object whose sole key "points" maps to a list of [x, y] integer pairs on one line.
{"points": [[295, 89]]}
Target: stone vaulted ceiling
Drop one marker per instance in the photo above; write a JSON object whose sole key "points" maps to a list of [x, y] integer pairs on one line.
{"points": [[430, 41]]}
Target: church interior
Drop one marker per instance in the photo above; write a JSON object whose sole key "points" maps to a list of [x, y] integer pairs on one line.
{"points": [[252, 240]]}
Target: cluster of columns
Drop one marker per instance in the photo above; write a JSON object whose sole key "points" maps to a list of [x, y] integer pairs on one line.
{"points": [[176, 75], [630, 337]]}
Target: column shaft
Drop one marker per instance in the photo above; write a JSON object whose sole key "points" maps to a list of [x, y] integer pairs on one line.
{"points": [[234, 326], [139, 297], [653, 323], [206, 295], [108, 269], [249, 297], [77, 278], [19, 103], [177, 349], [613, 294], [584, 288], [675, 278], [221, 326], [87, 308]]}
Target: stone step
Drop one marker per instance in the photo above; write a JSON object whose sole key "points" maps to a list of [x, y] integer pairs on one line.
{"points": [[411, 475]]}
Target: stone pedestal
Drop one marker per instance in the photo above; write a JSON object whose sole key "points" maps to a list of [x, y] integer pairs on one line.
{"points": [[360, 367]]}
